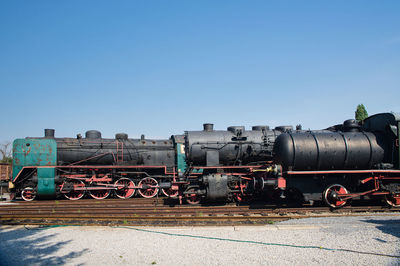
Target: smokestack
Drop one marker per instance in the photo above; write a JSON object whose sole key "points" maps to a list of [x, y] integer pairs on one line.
{"points": [[208, 127], [49, 133]]}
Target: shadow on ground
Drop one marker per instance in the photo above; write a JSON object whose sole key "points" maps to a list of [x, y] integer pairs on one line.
{"points": [[391, 226], [22, 246]]}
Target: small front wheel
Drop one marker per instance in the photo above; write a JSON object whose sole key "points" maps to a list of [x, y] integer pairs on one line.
{"points": [[28, 194], [393, 199], [169, 192], [333, 196], [191, 196]]}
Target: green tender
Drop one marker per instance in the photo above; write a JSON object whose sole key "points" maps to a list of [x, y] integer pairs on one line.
{"points": [[37, 152]]}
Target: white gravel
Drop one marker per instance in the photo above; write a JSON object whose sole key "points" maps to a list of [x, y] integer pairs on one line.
{"points": [[128, 246]]}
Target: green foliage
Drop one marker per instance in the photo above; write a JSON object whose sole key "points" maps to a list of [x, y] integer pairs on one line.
{"points": [[6, 160], [5, 152], [361, 112]]}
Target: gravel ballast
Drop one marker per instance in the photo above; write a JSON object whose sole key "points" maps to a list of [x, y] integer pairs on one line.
{"points": [[353, 240]]}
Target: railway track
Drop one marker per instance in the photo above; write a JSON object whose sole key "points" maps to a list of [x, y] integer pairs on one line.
{"points": [[163, 212]]}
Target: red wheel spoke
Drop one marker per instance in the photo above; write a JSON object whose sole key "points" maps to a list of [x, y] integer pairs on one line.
{"points": [[99, 193], [149, 187], [28, 194], [393, 200], [77, 189], [332, 198], [125, 188], [169, 192], [192, 197]]}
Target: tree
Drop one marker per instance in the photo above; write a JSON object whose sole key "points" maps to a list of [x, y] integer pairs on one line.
{"points": [[361, 112], [5, 151]]}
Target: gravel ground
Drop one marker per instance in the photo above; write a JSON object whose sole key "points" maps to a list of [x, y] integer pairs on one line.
{"points": [[75, 245]]}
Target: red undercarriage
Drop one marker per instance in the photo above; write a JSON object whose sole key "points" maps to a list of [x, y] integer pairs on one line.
{"points": [[98, 181]]}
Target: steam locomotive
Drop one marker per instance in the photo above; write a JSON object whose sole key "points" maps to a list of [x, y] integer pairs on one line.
{"points": [[334, 165]]}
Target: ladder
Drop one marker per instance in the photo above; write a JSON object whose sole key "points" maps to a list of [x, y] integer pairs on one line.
{"points": [[120, 151]]}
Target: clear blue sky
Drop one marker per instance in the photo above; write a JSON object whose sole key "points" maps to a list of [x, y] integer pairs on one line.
{"points": [[161, 67]]}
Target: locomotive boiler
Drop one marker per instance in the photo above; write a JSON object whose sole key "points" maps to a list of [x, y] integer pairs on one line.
{"points": [[95, 150], [330, 150], [235, 146]]}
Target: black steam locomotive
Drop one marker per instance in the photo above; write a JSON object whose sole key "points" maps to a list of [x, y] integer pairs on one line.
{"points": [[345, 161]]}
